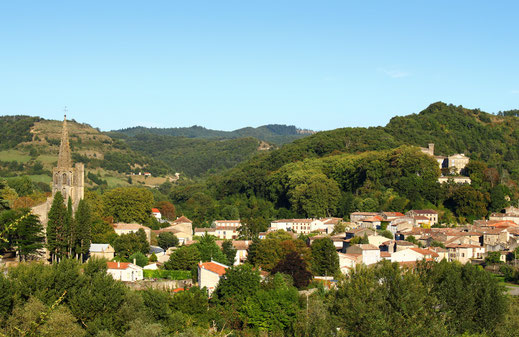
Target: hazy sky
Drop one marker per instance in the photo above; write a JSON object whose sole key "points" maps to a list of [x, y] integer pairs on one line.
{"points": [[230, 64]]}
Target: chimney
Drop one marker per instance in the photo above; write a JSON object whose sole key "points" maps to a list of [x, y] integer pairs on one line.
{"points": [[135, 261], [431, 148], [118, 264]]}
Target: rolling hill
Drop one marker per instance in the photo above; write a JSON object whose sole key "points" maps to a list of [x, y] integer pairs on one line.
{"points": [[272, 133]]}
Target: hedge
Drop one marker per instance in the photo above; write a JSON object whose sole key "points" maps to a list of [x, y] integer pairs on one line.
{"points": [[168, 274]]}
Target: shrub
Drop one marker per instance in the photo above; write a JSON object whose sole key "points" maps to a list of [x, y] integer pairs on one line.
{"points": [[168, 274]]}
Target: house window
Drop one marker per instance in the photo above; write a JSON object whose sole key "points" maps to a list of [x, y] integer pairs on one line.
{"points": [[462, 254]]}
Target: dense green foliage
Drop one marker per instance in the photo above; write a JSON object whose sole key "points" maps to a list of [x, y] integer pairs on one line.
{"points": [[130, 204], [57, 225], [184, 258], [25, 236], [82, 233], [336, 172], [166, 240], [442, 299], [168, 274], [126, 245], [195, 157], [15, 130], [272, 133], [437, 299], [325, 261]]}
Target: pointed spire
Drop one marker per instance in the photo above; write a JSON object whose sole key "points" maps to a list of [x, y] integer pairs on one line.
{"points": [[64, 149]]}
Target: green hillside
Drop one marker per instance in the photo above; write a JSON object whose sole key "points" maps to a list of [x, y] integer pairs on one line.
{"points": [[195, 157], [296, 179], [272, 133], [483, 136], [32, 147]]}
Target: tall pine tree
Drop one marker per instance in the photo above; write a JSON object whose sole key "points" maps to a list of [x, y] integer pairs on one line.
{"points": [[56, 228], [82, 229]]}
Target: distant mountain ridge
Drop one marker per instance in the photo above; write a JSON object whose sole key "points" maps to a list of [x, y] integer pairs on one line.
{"points": [[273, 133]]}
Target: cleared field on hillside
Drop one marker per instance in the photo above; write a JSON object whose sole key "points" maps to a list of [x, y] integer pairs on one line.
{"points": [[14, 155]]}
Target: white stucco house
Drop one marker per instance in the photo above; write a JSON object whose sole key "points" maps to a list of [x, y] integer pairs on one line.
{"points": [[124, 271], [209, 274]]}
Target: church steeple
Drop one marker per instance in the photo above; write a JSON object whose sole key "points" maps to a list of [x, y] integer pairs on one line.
{"points": [[64, 159]]}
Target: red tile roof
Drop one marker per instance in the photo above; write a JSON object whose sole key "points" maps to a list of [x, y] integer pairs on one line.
{"points": [[155, 210], [393, 214], [503, 224], [117, 265], [214, 267], [373, 219]]}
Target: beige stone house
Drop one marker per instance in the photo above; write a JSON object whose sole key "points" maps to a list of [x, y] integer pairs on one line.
{"points": [[101, 251]]}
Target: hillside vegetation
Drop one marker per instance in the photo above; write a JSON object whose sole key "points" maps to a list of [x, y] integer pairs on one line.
{"points": [[195, 157], [481, 136], [33, 145], [29, 141], [272, 133], [329, 173]]}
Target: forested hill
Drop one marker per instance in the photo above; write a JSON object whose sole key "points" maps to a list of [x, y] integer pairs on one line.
{"points": [[453, 129], [194, 157], [272, 133], [339, 171]]}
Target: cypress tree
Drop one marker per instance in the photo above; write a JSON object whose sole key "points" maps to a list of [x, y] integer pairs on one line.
{"points": [[325, 261], [69, 228], [82, 229], [56, 228]]}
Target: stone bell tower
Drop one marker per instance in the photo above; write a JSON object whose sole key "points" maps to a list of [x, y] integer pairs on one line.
{"points": [[68, 179]]}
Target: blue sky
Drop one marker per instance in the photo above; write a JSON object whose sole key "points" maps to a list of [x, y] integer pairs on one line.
{"points": [[229, 64]]}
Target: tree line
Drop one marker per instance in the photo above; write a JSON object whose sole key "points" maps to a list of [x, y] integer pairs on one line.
{"points": [[435, 299]]}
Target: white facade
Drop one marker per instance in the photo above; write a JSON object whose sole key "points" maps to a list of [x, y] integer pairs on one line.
{"points": [[124, 271], [406, 255], [304, 226], [209, 274]]}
